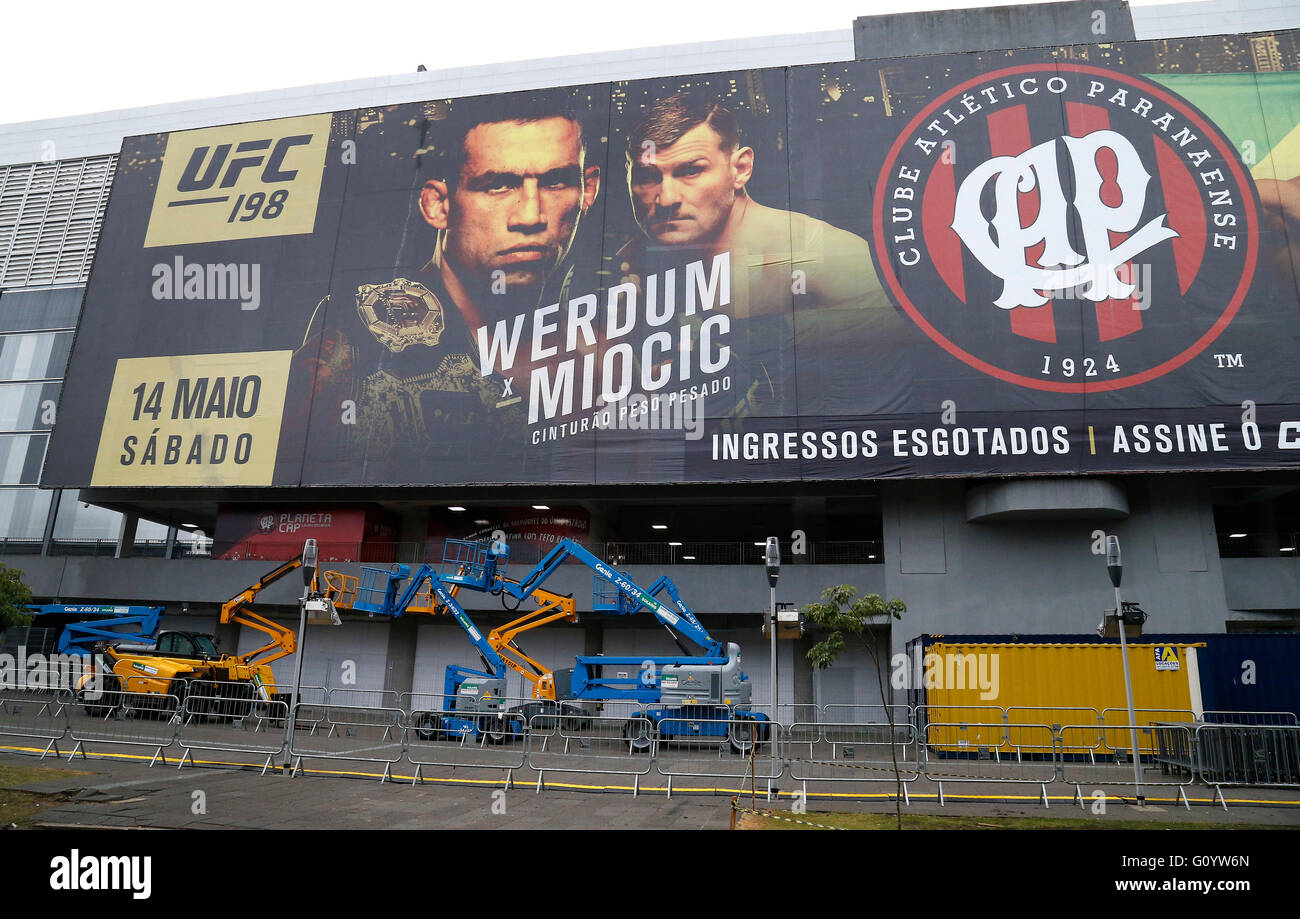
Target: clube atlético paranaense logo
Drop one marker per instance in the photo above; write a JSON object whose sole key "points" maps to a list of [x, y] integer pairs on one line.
{"points": [[1066, 227]]}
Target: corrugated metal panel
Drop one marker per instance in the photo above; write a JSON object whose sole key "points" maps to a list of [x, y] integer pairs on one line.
{"points": [[328, 651], [1229, 663], [1044, 684], [1252, 672], [851, 680], [50, 218]]}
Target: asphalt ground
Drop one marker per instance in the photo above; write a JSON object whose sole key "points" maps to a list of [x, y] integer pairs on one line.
{"points": [[123, 791]]}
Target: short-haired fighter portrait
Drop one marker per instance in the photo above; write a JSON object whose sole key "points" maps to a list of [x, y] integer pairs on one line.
{"points": [[796, 279], [503, 183], [514, 182]]}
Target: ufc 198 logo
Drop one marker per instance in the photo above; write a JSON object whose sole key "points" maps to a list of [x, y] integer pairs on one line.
{"points": [[240, 182], [1023, 255]]}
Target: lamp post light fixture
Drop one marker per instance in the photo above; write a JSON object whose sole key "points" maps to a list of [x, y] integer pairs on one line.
{"points": [[1115, 568], [772, 560]]}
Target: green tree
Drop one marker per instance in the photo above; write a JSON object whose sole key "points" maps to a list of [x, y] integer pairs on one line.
{"points": [[14, 598], [842, 612]]}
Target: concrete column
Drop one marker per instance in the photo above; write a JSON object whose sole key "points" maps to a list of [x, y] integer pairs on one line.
{"points": [[593, 636], [402, 638], [126, 536], [47, 538]]}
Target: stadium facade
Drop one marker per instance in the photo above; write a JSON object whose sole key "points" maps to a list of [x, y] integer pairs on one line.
{"points": [[973, 537]]}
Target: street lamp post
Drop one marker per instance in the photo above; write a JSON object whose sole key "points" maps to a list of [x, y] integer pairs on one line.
{"points": [[1115, 569], [772, 558], [309, 559]]}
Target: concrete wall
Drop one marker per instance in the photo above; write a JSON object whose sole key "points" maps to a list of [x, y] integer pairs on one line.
{"points": [[1027, 26], [1041, 576], [706, 588], [1262, 584]]}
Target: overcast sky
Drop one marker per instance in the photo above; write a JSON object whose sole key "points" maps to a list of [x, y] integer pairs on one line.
{"points": [[75, 57]]}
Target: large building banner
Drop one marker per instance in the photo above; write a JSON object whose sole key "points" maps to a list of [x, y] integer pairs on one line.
{"points": [[1064, 261]]}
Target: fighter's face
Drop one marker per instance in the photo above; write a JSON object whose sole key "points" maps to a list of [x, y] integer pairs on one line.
{"points": [[683, 193], [515, 206]]}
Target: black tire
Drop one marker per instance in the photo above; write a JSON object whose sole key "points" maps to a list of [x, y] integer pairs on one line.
{"points": [[428, 726], [640, 734], [574, 719], [743, 736], [102, 708], [494, 730]]}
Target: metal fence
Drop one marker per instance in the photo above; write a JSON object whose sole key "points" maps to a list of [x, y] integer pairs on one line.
{"points": [[217, 724], [35, 716], [124, 718], [845, 749], [354, 733], [415, 552]]}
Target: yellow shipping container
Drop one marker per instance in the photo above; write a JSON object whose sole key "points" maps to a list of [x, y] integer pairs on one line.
{"points": [[1008, 696]]}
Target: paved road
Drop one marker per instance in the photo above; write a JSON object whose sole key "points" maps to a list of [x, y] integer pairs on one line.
{"points": [[128, 794]]}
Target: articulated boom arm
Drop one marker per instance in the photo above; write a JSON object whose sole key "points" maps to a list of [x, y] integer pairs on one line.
{"points": [[551, 607], [633, 598], [238, 609], [395, 600], [79, 637], [689, 626]]}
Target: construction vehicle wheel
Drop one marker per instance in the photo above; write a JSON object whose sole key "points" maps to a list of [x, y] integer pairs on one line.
{"points": [[742, 736], [428, 726], [102, 707], [574, 719], [640, 733], [494, 730]]}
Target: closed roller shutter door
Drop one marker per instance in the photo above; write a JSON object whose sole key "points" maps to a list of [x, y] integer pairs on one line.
{"points": [[851, 679], [327, 648], [551, 646], [437, 646], [440, 645]]}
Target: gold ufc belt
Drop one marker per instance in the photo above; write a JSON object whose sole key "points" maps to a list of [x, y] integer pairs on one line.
{"points": [[401, 313]]}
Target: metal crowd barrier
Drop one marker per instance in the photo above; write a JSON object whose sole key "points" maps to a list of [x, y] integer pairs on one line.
{"points": [[362, 698], [258, 732], [953, 730], [1056, 716], [1171, 751], [969, 762], [1118, 742], [356, 734], [721, 747], [1276, 719], [35, 716], [606, 745], [440, 735], [839, 744], [126, 718], [848, 752], [1231, 754]]}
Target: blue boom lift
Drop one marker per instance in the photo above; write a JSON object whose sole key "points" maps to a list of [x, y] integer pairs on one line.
{"points": [[473, 699], [690, 696], [85, 626]]}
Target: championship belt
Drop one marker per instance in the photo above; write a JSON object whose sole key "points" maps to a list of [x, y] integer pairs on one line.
{"points": [[401, 313], [395, 406]]}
